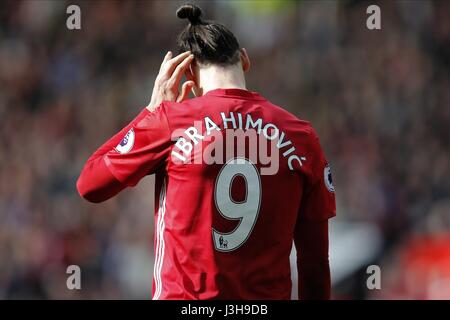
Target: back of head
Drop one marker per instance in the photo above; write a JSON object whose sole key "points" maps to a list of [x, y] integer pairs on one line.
{"points": [[209, 41]]}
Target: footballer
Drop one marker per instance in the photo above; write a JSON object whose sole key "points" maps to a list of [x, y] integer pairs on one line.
{"points": [[238, 179]]}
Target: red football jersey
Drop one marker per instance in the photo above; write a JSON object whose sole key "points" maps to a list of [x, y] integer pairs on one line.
{"points": [[234, 173]]}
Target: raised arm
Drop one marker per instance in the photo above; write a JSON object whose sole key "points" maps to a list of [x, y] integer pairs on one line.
{"points": [[96, 183], [140, 147]]}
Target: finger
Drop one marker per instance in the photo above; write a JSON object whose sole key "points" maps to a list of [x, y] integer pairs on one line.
{"points": [[188, 73], [180, 70], [185, 89], [174, 62], [167, 57]]}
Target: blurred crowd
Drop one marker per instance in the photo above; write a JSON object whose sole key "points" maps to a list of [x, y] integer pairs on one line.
{"points": [[379, 100]]}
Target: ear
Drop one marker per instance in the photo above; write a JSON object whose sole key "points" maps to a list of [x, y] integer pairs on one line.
{"points": [[192, 74], [245, 60]]}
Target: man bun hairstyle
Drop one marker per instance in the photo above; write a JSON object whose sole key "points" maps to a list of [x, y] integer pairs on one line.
{"points": [[190, 12], [210, 42]]}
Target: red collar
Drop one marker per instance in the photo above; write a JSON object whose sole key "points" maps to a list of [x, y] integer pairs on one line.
{"points": [[234, 92]]}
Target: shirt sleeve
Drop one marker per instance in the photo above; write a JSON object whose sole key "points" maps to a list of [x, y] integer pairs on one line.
{"points": [[135, 151], [143, 149], [318, 199], [311, 242]]}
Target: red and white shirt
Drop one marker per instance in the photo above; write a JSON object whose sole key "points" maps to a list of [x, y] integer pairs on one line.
{"points": [[224, 227]]}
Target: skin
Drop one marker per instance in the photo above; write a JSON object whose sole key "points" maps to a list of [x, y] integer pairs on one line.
{"points": [[199, 78]]}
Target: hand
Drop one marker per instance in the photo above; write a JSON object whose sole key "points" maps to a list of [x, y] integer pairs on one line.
{"points": [[168, 80]]}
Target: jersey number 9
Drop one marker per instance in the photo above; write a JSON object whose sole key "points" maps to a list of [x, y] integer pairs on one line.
{"points": [[245, 211]]}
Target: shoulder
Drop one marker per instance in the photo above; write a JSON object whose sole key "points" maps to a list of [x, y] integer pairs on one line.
{"points": [[184, 114], [192, 102], [300, 128], [185, 108]]}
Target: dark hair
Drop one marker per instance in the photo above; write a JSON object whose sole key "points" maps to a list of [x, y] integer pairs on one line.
{"points": [[209, 41]]}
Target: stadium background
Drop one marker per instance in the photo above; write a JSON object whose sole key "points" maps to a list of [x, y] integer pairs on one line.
{"points": [[380, 101]]}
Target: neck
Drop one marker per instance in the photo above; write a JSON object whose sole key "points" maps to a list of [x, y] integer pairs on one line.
{"points": [[216, 77]]}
